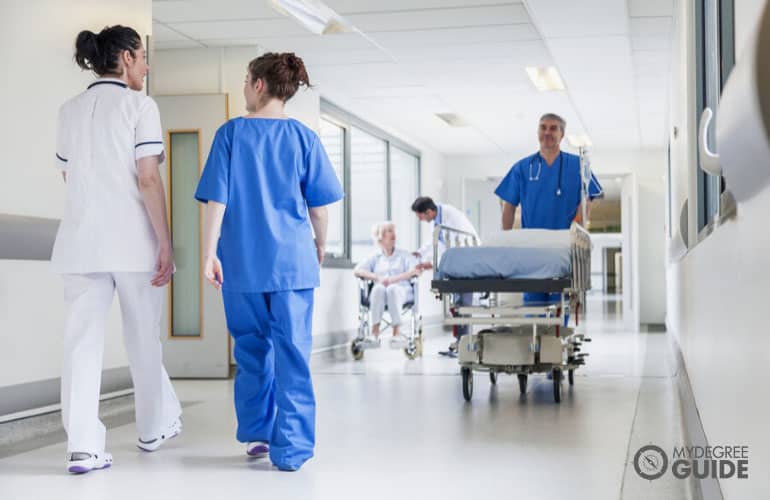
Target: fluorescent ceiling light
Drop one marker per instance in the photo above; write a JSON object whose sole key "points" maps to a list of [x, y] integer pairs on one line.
{"points": [[579, 140], [453, 120], [314, 15], [545, 79]]}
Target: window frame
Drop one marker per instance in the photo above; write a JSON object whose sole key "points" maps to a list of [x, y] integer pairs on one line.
{"points": [[339, 116], [715, 19]]}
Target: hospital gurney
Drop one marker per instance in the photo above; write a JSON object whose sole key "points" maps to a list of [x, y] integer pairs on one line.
{"points": [[520, 340]]}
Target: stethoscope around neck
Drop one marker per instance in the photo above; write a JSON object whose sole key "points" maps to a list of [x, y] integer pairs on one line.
{"points": [[536, 177]]}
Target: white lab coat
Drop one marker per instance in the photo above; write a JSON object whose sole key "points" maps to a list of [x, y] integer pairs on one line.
{"points": [[446, 215]]}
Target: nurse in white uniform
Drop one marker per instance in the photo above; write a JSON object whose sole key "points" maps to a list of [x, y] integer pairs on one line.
{"points": [[114, 236]]}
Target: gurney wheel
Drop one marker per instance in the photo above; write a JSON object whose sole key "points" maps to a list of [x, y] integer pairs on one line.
{"points": [[493, 378], [356, 351], [467, 376], [523, 383], [571, 377], [557, 385]]}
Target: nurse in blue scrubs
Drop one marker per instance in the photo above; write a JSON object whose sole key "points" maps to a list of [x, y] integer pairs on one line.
{"points": [[266, 183], [547, 187]]}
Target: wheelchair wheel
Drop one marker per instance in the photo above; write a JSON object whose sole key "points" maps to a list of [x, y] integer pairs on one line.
{"points": [[571, 377], [418, 343], [467, 376], [356, 350], [522, 383], [493, 378], [557, 385], [412, 351]]}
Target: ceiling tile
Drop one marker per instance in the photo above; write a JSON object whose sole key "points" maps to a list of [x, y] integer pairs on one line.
{"points": [[440, 18], [199, 10], [371, 6]]}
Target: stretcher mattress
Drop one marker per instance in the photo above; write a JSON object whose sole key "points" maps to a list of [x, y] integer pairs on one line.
{"points": [[521, 254]]}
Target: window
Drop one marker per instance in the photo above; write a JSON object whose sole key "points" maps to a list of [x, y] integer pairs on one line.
{"points": [[333, 140], [715, 57], [381, 176], [368, 196], [404, 169]]}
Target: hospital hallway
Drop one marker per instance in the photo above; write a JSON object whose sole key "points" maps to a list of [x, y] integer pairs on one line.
{"points": [[392, 428]]}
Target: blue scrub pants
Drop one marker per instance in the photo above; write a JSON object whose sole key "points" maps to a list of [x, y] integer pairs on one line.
{"points": [[274, 399]]}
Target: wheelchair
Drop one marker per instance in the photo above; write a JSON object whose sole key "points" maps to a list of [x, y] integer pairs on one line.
{"points": [[413, 336]]}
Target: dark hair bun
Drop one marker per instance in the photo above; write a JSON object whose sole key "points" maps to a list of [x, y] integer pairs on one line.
{"points": [[284, 73], [295, 66], [86, 49], [100, 52]]}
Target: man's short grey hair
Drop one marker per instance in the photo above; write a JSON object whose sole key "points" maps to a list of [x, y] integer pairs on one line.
{"points": [[554, 116], [378, 230]]}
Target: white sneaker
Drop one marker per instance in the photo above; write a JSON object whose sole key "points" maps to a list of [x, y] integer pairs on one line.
{"points": [[80, 463], [398, 341], [258, 449], [153, 444], [370, 343]]}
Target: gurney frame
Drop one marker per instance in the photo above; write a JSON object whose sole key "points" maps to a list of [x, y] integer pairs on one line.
{"points": [[520, 340]]}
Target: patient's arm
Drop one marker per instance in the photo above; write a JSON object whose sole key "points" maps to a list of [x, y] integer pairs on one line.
{"points": [[509, 215], [364, 274], [404, 276]]}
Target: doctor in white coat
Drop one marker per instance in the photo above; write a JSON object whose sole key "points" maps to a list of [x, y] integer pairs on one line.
{"points": [[439, 214], [446, 215], [113, 236]]}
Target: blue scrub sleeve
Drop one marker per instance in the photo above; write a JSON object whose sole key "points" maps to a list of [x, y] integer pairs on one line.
{"points": [[213, 185], [320, 185], [510, 187], [594, 188]]}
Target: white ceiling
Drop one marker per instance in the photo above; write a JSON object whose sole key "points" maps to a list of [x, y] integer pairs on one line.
{"points": [[466, 57]]}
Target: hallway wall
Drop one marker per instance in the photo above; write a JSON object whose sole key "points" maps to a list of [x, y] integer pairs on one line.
{"points": [[718, 288]]}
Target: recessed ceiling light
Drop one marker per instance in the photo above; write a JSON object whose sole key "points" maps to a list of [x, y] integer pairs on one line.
{"points": [[314, 15], [453, 120], [545, 79]]}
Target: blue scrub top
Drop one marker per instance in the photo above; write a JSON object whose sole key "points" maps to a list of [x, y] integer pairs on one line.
{"points": [[533, 184], [268, 172]]}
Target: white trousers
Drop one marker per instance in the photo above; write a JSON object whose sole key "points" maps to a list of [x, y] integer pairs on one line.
{"points": [[394, 296], [88, 298]]}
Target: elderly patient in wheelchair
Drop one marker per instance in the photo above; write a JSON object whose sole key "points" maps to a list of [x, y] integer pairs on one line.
{"points": [[388, 276]]}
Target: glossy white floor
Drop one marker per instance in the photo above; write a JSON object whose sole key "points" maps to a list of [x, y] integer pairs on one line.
{"points": [[395, 429]]}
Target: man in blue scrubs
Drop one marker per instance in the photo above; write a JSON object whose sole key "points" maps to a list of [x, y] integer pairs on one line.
{"points": [[547, 186]]}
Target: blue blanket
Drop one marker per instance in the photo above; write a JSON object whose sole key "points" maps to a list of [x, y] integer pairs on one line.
{"points": [[504, 263]]}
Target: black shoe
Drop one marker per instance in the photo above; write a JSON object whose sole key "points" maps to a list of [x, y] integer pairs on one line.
{"points": [[451, 351]]}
